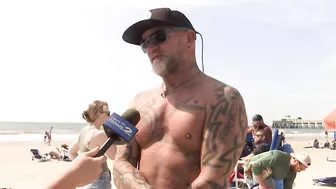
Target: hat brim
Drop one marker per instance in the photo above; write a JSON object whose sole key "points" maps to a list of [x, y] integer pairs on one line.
{"points": [[294, 156], [133, 34]]}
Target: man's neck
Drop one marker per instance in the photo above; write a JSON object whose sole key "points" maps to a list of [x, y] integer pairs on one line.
{"points": [[180, 77], [261, 126]]}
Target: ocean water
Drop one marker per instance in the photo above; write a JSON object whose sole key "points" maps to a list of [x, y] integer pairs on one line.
{"points": [[292, 133], [34, 131]]}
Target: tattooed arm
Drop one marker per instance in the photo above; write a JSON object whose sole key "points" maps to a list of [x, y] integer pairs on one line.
{"points": [[125, 172], [224, 138]]}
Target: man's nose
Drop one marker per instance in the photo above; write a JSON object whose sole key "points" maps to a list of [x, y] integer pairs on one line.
{"points": [[151, 48]]}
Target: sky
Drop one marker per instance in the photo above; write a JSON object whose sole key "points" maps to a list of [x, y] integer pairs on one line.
{"points": [[58, 56]]}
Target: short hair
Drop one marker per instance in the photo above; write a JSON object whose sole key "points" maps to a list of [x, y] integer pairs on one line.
{"points": [[257, 117]]}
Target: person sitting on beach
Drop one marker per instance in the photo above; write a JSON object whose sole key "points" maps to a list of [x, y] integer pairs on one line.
{"points": [[57, 154], [316, 143], [327, 144], [260, 145], [258, 124], [84, 170], [92, 136], [275, 164], [333, 145]]}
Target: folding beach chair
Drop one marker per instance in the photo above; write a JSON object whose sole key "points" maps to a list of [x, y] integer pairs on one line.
{"points": [[328, 181], [237, 179], [37, 155]]}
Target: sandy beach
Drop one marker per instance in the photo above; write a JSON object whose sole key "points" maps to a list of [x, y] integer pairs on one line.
{"points": [[18, 171]]}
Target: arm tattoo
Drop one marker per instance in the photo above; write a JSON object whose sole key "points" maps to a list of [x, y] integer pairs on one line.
{"points": [[190, 104], [125, 173], [224, 135]]}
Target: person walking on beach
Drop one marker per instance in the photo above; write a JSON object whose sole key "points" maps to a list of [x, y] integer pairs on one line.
{"points": [[47, 136], [92, 136], [192, 128], [275, 164]]}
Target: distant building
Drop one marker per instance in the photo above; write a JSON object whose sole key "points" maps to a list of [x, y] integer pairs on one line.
{"points": [[290, 122]]}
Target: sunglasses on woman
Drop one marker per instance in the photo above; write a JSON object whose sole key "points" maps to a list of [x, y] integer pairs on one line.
{"points": [[108, 113], [158, 37]]}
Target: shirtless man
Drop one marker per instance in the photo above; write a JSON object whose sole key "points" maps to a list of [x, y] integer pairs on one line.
{"points": [[192, 128], [259, 124]]}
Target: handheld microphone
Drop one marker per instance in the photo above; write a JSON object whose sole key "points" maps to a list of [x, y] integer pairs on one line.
{"points": [[118, 128]]}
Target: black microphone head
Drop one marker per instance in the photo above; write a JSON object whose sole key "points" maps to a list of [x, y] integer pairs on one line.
{"points": [[131, 115]]}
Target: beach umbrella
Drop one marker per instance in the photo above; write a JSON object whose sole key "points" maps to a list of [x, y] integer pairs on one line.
{"points": [[330, 121]]}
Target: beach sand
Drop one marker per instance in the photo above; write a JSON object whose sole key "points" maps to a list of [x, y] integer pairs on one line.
{"points": [[18, 171]]}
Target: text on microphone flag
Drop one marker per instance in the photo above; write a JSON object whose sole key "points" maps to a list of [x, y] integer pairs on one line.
{"points": [[121, 126]]}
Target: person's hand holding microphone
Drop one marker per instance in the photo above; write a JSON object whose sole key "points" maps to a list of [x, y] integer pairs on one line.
{"points": [[87, 166]]}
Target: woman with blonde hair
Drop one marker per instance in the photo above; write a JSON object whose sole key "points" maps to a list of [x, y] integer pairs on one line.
{"points": [[92, 136]]}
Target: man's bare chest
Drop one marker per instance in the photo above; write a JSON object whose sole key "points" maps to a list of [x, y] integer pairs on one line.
{"points": [[181, 122]]}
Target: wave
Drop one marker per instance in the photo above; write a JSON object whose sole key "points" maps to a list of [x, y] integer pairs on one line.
{"points": [[35, 137], [21, 137], [18, 132]]}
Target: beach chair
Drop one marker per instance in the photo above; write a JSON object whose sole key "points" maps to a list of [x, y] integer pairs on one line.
{"points": [[328, 181], [37, 155], [248, 145], [237, 179]]}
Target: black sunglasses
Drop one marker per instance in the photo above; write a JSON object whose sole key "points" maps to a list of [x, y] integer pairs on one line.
{"points": [[108, 113], [158, 37]]}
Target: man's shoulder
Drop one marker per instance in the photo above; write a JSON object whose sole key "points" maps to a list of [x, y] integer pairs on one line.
{"points": [[220, 88], [267, 128], [143, 96], [145, 93]]}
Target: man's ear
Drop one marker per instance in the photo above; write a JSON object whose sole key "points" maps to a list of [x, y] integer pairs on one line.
{"points": [[191, 36]]}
